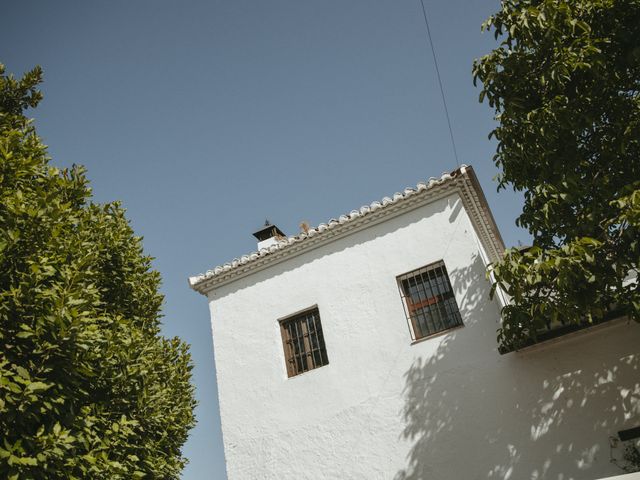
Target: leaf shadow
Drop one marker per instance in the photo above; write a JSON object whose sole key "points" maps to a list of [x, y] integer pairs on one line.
{"points": [[543, 413]]}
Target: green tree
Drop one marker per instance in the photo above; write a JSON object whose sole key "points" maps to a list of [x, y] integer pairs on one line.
{"points": [[564, 82], [88, 386]]}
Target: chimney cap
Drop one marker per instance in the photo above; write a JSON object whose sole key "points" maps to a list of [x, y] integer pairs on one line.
{"points": [[268, 231]]}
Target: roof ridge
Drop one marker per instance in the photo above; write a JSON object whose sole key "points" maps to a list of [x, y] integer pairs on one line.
{"points": [[326, 226]]}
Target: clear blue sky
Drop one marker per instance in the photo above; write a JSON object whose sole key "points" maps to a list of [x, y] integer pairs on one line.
{"points": [[206, 117]]}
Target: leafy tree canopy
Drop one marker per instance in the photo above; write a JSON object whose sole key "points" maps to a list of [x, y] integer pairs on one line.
{"points": [[88, 386], [565, 86]]}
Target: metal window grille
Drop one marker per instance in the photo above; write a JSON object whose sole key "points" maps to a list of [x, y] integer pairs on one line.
{"points": [[304, 347], [429, 301]]}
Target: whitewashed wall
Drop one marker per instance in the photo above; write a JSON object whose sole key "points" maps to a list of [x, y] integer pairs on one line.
{"points": [[449, 407]]}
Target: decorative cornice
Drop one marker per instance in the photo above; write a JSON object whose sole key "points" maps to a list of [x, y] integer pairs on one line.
{"points": [[462, 181], [480, 214]]}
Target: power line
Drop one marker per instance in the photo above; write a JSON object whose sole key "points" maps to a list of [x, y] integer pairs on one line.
{"points": [[444, 101]]}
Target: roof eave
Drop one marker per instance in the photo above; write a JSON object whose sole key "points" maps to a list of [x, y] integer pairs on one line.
{"points": [[462, 181]]}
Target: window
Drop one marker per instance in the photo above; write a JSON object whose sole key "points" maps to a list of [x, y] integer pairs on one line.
{"points": [[304, 347], [430, 304]]}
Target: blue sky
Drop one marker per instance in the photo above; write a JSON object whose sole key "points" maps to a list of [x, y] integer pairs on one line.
{"points": [[206, 117]]}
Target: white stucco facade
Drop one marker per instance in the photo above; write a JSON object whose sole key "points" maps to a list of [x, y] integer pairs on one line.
{"points": [[446, 407]]}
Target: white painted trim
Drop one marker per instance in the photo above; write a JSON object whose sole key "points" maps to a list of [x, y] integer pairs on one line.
{"points": [[628, 476]]}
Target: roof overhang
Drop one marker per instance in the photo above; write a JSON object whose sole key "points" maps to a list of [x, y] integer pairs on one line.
{"points": [[462, 181]]}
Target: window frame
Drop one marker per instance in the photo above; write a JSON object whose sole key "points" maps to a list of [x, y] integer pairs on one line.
{"points": [[443, 296], [293, 361]]}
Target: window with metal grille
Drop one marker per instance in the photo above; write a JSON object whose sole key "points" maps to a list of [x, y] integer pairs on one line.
{"points": [[430, 305], [304, 347]]}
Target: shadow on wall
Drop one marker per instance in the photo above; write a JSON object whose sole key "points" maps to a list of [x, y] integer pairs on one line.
{"points": [[546, 413]]}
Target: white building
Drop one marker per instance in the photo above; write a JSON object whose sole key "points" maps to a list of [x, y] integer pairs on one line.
{"points": [[366, 348]]}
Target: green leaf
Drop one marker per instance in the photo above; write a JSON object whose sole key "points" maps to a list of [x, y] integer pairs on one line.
{"points": [[37, 386], [23, 372]]}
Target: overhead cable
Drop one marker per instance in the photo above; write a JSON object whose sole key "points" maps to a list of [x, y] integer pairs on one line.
{"points": [[444, 101]]}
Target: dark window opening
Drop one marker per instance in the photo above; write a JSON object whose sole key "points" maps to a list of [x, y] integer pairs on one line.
{"points": [[429, 301], [304, 347]]}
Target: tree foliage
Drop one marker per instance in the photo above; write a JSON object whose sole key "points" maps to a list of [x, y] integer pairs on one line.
{"points": [[565, 85], [88, 386]]}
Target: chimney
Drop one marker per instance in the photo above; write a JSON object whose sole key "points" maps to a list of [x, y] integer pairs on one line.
{"points": [[268, 235]]}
